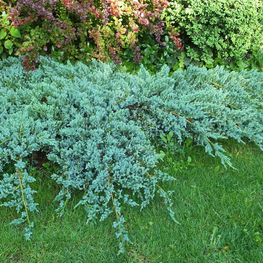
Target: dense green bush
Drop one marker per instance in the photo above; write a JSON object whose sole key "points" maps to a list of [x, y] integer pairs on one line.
{"points": [[80, 30], [154, 56], [217, 32], [99, 126], [10, 37]]}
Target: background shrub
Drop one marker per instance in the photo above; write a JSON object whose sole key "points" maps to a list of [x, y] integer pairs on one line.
{"points": [[217, 32], [81, 30], [10, 37], [154, 56]]}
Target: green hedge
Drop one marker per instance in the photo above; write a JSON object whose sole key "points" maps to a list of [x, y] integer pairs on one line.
{"points": [[217, 31]]}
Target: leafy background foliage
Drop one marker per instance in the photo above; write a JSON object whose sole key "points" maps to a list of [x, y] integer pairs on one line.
{"points": [[132, 33], [217, 32], [81, 30], [9, 35]]}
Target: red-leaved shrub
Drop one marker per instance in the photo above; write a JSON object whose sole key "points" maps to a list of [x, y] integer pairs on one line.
{"points": [[85, 29]]}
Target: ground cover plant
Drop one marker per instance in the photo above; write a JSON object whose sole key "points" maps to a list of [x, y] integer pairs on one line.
{"points": [[98, 127]]}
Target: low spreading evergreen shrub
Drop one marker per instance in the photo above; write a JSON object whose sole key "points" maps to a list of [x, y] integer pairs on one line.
{"points": [[100, 125]]}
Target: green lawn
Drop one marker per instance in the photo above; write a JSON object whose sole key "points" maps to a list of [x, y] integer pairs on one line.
{"points": [[220, 214]]}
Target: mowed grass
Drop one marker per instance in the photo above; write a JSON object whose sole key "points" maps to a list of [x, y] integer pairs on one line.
{"points": [[220, 212]]}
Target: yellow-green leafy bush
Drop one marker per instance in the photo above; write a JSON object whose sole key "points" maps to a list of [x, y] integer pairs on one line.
{"points": [[222, 30]]}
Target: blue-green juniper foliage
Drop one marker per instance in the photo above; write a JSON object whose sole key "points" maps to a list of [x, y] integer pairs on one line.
{"points": [[100, 125]]}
